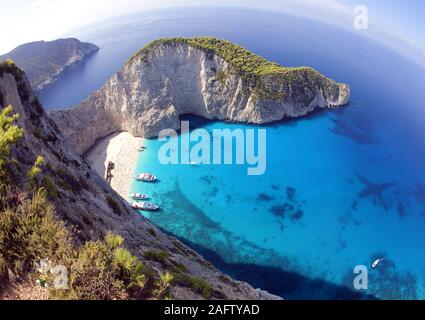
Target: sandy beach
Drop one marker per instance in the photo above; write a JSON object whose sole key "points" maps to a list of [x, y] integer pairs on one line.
{"points": [[122, 149]]}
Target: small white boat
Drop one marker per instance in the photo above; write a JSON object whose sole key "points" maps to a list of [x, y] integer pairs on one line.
{"points": [[144, 206], [377, 262], [193, 163], [139, 196], [147, 177]]}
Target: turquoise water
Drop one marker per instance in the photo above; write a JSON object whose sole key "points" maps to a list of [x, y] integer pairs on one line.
{"points": [[342, 187]]}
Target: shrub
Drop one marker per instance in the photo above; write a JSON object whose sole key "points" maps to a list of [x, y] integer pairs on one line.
{"points": [[113, 204], [35, 171], [65, 185], [9, 66], [67, 181], [158, 256], [179, 268], [221, 77], [50, 187], [51, 239], [94, 275], [10, 134], [197, 284], [10, 197], [29, 232], [162, 286], [37, 133], [179, 248], [152, 232], [105, 270]]}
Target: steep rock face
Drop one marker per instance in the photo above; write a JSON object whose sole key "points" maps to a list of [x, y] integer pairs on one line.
{"points": [[176, 76], [43, 61], [84, 200]]}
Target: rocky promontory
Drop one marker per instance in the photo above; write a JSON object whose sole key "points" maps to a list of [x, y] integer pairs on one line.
{"points": [[44, 61], [208, 77]]}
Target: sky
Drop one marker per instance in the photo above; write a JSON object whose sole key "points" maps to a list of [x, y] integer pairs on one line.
{"points": [[397, 23]]}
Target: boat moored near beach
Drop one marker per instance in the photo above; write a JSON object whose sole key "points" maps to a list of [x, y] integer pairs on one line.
{"points": [[144, 206], [139, 196], [377, 262], [147, 177]]}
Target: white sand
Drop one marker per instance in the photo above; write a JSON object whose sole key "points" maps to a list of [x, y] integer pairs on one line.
{"points": [[121, 149]]}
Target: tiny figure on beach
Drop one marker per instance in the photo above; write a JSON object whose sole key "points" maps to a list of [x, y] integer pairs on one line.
{"points": [[109, 176]]}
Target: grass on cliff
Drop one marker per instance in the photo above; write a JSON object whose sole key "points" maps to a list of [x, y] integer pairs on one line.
{"points": [[9, 66], [256, 70], [245, 62]]}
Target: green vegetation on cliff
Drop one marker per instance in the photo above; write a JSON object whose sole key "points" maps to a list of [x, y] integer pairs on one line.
{"points": [[9, 66], [245, 62], [10, 134], [30, 233], [269, 79]]}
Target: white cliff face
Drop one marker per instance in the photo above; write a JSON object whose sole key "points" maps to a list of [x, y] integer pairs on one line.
{"points": [[152, 90]]}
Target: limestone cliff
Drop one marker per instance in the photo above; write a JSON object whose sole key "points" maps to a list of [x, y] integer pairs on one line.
{"points": [[88, 204], [44, 61], [207, 77]]}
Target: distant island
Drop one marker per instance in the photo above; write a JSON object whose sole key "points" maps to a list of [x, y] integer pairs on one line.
{"points": [[43, 61], [203, 76]]}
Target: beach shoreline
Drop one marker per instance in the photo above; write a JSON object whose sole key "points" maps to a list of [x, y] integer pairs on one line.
{"points": [[121, 149]]}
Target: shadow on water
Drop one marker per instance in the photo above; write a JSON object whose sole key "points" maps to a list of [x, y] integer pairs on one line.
{"points": [[352, 126], [420, 192], [293, 122], [375, 191], [195, 121], [381, 197], [199, 122], [349, 130], [245, 260]]}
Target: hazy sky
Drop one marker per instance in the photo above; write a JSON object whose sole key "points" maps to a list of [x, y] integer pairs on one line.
{"points": [[29, 20]]}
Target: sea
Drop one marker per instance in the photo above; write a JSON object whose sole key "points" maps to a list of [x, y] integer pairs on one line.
{"points": [[342, 187]]}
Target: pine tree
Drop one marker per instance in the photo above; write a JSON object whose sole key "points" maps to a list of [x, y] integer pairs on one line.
{"points": [[10, 134]]}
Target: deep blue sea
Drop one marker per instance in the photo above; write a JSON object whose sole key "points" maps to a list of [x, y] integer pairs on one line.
{"points": [[342, 187]]}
